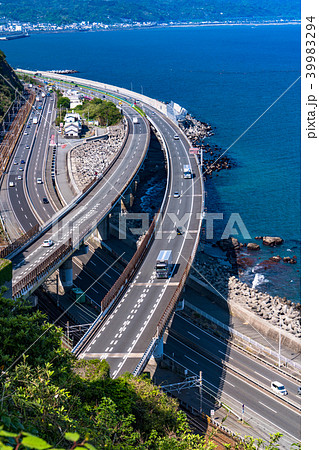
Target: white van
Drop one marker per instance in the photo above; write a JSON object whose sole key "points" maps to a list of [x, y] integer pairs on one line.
{"points": [[278, 388]]}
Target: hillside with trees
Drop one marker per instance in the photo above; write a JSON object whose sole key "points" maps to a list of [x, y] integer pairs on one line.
{"points": [[9, 84], [126, 11], [47, 395]]}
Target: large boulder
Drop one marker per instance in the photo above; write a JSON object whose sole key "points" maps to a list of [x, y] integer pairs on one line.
{"points": [[228, 244], [253, 246], [272, 241]]}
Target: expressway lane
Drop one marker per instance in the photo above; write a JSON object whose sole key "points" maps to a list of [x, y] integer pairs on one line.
{"points": [[86, 215], [128, 330], [265, 412], [36, 164], [26, 166], [16, 174], [250, 367]]}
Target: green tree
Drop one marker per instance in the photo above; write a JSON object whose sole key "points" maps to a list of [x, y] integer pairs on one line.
{"points": [[63, 102]]}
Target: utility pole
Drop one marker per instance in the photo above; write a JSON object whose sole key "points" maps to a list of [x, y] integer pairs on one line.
{"points": [[279, 349], [200, 392]]}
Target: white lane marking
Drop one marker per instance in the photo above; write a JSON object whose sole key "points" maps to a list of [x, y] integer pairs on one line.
{"points": [[263, 404], [193, 335], [195, 362]]}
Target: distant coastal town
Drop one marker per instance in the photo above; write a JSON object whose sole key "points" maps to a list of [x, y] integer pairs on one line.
{"points": [[10, 29]]}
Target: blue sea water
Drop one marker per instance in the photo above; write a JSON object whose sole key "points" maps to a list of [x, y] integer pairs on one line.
{"points": [[233, 77]]}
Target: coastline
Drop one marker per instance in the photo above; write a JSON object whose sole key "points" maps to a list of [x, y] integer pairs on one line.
{"points": [[175, 25], [250, 262]]}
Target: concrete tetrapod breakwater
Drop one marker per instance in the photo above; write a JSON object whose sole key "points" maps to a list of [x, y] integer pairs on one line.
{"points": [[271, 316]]}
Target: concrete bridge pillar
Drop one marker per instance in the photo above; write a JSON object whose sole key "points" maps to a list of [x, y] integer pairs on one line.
{"points": [[158, 352], [127, 198], [66, 274], [103, 229]]}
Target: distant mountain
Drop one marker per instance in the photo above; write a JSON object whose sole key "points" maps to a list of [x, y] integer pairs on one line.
{"points": [[115, 11]]}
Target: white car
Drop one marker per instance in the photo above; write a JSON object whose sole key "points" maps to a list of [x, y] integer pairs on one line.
{"points": [[176, 137], [11, 184], [47, 243], [19, 177], [278, 388], [176, 194], [39, 180]]}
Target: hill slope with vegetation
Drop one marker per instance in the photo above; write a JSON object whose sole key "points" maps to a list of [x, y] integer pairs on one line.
{"points": [[46, 392], [119, 11], [9, 83]]}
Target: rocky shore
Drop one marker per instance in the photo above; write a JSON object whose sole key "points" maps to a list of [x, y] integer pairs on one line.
{"points": [[214, 159], [90, 159], [218, 273]]}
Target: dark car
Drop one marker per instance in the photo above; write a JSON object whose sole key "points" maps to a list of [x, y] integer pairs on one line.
{"points": [[22, 161], [179, 231], [45, 200]]}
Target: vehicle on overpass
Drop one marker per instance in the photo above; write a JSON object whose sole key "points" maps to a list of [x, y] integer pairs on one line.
{"points": [[187, 171], [35, 120], [164, 264], [47, 243], [279, 388]]}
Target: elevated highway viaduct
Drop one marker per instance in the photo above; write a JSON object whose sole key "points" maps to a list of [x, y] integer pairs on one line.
{"points": [[71, 226], [135, 313]]}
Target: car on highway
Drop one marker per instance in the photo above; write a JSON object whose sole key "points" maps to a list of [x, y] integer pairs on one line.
{"points": [[27, 147], [176, 137], [179, 231], [176, 194], [21, 169], [28, 126], [15, 162], [39, 180], [11, 184], [47, 243], [22, 161], [26, 133], [19, 177], [45, 200], [278, 388]]}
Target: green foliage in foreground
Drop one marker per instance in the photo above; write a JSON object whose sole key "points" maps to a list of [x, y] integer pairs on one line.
{"points": [[48, 399]]}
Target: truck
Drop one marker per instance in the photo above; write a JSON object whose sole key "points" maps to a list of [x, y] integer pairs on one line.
{"points": [[164, 264], [135, 120], [35, 120], [187, 171], [77, 295]]}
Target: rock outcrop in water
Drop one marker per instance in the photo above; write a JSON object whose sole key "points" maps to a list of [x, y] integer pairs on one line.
{"points": [[272, 241]]}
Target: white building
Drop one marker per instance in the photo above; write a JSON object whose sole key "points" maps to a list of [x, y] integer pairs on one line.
{"points": [[75, 97], [72, 130]]}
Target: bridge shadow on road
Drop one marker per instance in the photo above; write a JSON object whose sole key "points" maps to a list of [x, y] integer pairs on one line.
{"points": [[198, 339]]}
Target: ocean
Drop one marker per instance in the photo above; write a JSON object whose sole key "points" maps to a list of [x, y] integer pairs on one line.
{"points": [[243, 80]]}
